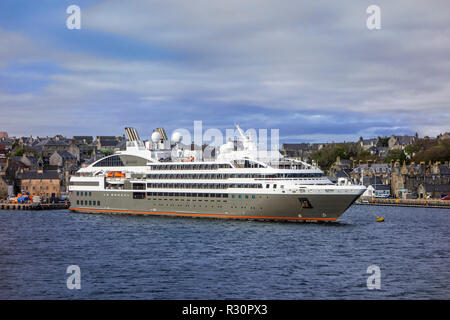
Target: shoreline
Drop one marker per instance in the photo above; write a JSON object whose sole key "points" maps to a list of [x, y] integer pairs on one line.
{"points": [[421, 203]]}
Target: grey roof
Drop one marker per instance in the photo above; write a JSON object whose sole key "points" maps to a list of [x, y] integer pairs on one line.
{"points": [[404, 140], [437, 187], [89, 161], [108, 143], [444, 170], [381, 187], [73, 168], [367, 181], [33, 174], [369, 141], [66, 155], [51, 142]]}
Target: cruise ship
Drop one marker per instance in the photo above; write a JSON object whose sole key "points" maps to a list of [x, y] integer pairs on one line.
{"points": [[160, 177]]}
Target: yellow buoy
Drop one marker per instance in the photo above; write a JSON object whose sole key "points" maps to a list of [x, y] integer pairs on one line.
{"points": [[380, 219]]}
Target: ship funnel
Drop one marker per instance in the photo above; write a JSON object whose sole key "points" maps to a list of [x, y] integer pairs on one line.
{"points": [[132, 134], [162, 132]]}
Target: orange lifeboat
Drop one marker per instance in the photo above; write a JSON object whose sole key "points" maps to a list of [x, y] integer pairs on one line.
{"points": [[115, 174]]}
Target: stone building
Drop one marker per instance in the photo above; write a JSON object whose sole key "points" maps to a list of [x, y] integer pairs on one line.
{"points": [[3, 187], [107, 142], [368, 143], [426, 190], [408, 179], [62, 159], [400, 142], [65, 162], [79, 140], [45, 184]]}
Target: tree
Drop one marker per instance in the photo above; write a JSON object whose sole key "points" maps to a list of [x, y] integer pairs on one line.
{"points": [[384, 142], [395, 155], [438, 152], [19, 152], [106, 152]]}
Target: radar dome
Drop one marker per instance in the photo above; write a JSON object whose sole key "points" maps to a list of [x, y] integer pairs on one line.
{"points": [[156, 136], [176, 137]]}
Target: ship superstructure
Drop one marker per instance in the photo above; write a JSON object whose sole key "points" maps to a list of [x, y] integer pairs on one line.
{"points": [[159, 177]]}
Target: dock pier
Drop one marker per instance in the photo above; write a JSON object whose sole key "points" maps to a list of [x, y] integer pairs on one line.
{"points": [[423, 203], [33, 206]]}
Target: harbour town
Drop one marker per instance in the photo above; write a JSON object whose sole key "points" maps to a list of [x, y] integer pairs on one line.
{"points": [[397, 170]]}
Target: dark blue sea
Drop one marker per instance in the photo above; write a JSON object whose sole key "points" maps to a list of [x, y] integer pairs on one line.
{"points": [[134, 257]]}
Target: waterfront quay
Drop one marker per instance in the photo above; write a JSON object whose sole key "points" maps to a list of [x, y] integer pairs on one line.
{"points": [[33, 206], [424, 203]]}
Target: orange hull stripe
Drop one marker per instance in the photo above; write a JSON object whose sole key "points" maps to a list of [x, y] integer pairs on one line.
{"points": [[202, 214]]}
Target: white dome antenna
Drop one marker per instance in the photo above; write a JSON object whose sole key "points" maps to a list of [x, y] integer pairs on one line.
{"points": [[156, 136], [177, 137]]}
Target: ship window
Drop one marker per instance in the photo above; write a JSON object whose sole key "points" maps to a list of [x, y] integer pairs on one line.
{"points": [[78, 202], [232, 196], [90, 202], [138, 186], [113, 161], [253, 197], [267, 185], [240, 196], [98, 202], [246, 196], [138, 195]]}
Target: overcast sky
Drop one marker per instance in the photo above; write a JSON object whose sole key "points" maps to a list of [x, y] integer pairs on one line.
{"points": [[309, 68]]}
